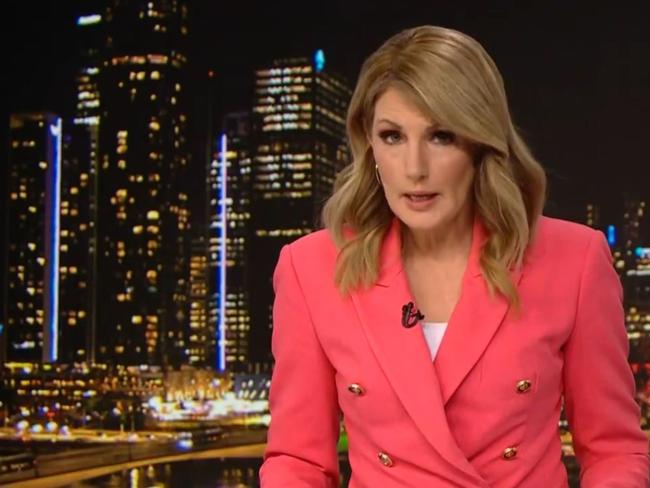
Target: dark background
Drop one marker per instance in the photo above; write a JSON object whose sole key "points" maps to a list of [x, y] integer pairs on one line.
{"points": [[578, 76]]}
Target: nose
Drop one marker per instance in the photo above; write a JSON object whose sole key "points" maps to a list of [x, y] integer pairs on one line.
{"points": [[416, 164]]}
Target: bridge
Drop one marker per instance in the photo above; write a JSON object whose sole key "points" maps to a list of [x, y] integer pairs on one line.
{"points": [[63, 468]]}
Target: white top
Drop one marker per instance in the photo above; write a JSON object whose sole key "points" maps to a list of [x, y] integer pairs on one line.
{"points": [[433, 332]]}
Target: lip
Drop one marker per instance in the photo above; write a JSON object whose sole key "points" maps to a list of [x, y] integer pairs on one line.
{"points": [[421, 204], [419, 193]]}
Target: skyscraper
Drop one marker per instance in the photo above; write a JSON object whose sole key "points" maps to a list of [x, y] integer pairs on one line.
{"points": [[592, 215], [229, 206], [92, 39], [298, 137], [142, 216], [31, 310], [201, 339], [636, 227], [76, 245]]}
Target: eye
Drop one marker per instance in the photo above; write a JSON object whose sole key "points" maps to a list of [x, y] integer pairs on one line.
{"points": [[390, 136], [443, 137]]}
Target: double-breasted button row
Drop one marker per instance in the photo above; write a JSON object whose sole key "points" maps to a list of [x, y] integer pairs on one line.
{"points": [[523, 386], [385, 459], [356, 389]]}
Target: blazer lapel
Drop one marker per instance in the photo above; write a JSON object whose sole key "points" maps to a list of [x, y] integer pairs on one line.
{"points": [[404, 356], [474, 321]]}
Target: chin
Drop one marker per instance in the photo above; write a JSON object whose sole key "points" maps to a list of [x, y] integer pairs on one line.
{"points": [[420, 222]]}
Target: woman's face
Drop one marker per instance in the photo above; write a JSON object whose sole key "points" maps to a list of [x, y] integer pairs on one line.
{"points": [[426, 171]]}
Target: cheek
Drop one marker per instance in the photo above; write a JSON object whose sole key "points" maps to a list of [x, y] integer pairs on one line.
{"points": [[461, 178]]}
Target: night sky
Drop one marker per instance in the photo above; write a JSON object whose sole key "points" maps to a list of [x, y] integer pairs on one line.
{"points": [[578, 78]]}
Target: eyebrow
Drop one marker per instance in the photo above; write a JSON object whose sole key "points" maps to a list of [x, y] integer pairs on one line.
{"points": [[395, 124], [389, 122]]}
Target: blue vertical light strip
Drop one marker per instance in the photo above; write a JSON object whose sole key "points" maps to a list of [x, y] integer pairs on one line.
{"points": [[56, 130], [222, 193], [611, 235]]}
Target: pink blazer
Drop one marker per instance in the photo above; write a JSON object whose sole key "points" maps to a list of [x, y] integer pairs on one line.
{"points": [[485, 412]]}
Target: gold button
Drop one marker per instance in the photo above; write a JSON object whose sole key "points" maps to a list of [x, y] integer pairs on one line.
{"points": [[509, 452], [357, 389], [523, 386], [385, 459]]}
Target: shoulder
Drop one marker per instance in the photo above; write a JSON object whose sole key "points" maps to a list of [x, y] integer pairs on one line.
{"points": [[563, 240], [558, 232], [313, 252]]}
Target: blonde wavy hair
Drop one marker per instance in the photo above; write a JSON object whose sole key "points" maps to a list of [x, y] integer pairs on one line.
{"points": [[455, 82]]}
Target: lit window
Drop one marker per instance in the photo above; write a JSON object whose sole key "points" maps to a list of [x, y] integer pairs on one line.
{"points": [[153, 215]]}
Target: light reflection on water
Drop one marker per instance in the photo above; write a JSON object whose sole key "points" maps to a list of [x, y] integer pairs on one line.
{"points": [[210, 473], [214, 473]]}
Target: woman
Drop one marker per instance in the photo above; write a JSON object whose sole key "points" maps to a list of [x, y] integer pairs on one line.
{"points": [[439, 312]]}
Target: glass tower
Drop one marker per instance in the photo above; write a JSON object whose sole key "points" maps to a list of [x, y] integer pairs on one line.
{"points": [[142, 202], [298, 146]]}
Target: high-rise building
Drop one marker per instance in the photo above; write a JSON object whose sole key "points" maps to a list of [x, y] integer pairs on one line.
{"points": [[34, 187], [636, 229], [592, 215], [142, 203], [298, 137], [92, 41], [201, 339], [76, 246], [229, 209]]}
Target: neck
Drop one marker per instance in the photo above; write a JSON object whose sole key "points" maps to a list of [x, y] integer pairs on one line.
{"points": [[441, 243]]}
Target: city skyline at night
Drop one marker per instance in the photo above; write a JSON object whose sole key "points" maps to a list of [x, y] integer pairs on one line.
{"points": [[262, 159], [159, 154]]}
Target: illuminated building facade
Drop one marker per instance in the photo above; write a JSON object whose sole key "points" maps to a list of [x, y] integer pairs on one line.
{"points": [[637, 309], [633, 263], [201, 335], [34, 187], [229, 210], [91, 39], [298, 136], [636, 227], [592, 216], [142, 207], [76, 245], [91, 35]]}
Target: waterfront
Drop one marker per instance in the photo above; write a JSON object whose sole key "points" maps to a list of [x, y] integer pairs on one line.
{"points": [[213, 473], [208, 473]]}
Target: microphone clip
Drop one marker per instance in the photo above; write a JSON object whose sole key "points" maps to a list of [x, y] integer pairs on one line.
{"points": [[410, 315]]}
